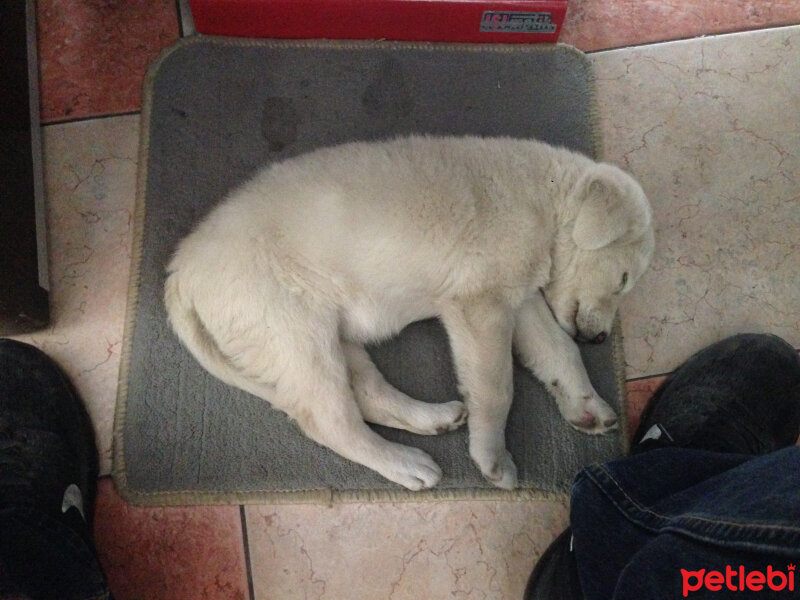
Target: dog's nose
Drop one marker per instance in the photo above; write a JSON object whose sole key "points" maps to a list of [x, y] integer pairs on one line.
{"points": [[601, 337]]}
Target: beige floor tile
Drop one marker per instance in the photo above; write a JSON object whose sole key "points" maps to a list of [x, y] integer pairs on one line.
{"points": [[90, 182], [463, 550], [710, 127]]}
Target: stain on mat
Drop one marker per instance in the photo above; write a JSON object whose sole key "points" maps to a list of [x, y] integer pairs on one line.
{"points": [[387, 96], [279, 122]]}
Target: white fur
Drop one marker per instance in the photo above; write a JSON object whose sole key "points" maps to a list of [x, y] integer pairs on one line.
{"points": [[277, 290]]}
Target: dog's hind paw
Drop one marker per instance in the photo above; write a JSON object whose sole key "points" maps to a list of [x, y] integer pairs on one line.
{"points": [[500, 471], [412, 468]]}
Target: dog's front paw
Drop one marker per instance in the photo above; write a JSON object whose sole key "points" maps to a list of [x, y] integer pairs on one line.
{"points": [[499, 469], [412, 468], [589, 414]]}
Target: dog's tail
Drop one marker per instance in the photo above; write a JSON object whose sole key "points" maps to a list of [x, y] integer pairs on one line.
{"points": [[193, 333], [190, 329]]}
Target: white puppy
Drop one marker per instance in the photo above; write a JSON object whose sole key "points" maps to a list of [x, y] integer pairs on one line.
{"points": [[279, 288]]}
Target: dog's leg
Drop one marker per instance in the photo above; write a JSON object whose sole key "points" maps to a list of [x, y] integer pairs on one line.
{"points": [[551, 354], [315, 391], [383, 404], [304, 374], [480, 331]]}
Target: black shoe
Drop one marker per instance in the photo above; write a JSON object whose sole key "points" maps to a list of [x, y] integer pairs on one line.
{"points": [[739, 395], [48, 456], [555, 576]]}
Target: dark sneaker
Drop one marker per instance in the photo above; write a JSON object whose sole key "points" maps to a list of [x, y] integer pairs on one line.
{"points": [[739, 395], [48, 475], [555, 576], [48, 457]]}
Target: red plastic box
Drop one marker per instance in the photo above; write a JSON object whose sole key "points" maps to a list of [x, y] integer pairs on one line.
{"points": [[512, 21]]}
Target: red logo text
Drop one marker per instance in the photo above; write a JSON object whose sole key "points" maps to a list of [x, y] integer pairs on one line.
{"points": [[738, 580]]}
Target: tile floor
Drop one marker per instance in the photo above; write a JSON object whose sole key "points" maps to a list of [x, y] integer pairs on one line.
{"points": [[708, 124]]}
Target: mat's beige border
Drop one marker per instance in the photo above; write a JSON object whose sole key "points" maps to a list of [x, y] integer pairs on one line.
{"points": [[317, 496]]}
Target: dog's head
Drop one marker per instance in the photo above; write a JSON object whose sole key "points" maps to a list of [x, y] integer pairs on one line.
{"points": [[603, 253]]}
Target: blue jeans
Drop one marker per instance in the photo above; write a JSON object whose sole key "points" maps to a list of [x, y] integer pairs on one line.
{"points": [[681, 523], [48, 558]]}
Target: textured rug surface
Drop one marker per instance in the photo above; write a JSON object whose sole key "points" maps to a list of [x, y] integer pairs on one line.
{"points": [[215, 110]]}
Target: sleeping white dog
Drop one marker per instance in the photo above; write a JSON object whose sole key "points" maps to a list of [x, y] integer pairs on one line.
{"points": [[507, 242]]}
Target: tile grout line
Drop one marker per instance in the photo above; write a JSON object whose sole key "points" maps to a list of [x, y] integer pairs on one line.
{"points": [[690, 37], [246, 545], [91, 118], [646, 377], [665, 374]]}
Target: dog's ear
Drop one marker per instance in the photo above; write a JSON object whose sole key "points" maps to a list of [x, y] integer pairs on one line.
{"points": [[612, 207]]}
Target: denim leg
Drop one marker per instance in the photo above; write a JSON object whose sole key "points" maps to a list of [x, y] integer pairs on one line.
{"points": [[722, 508], [603, 539], [42, 557], [670, 566]]}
